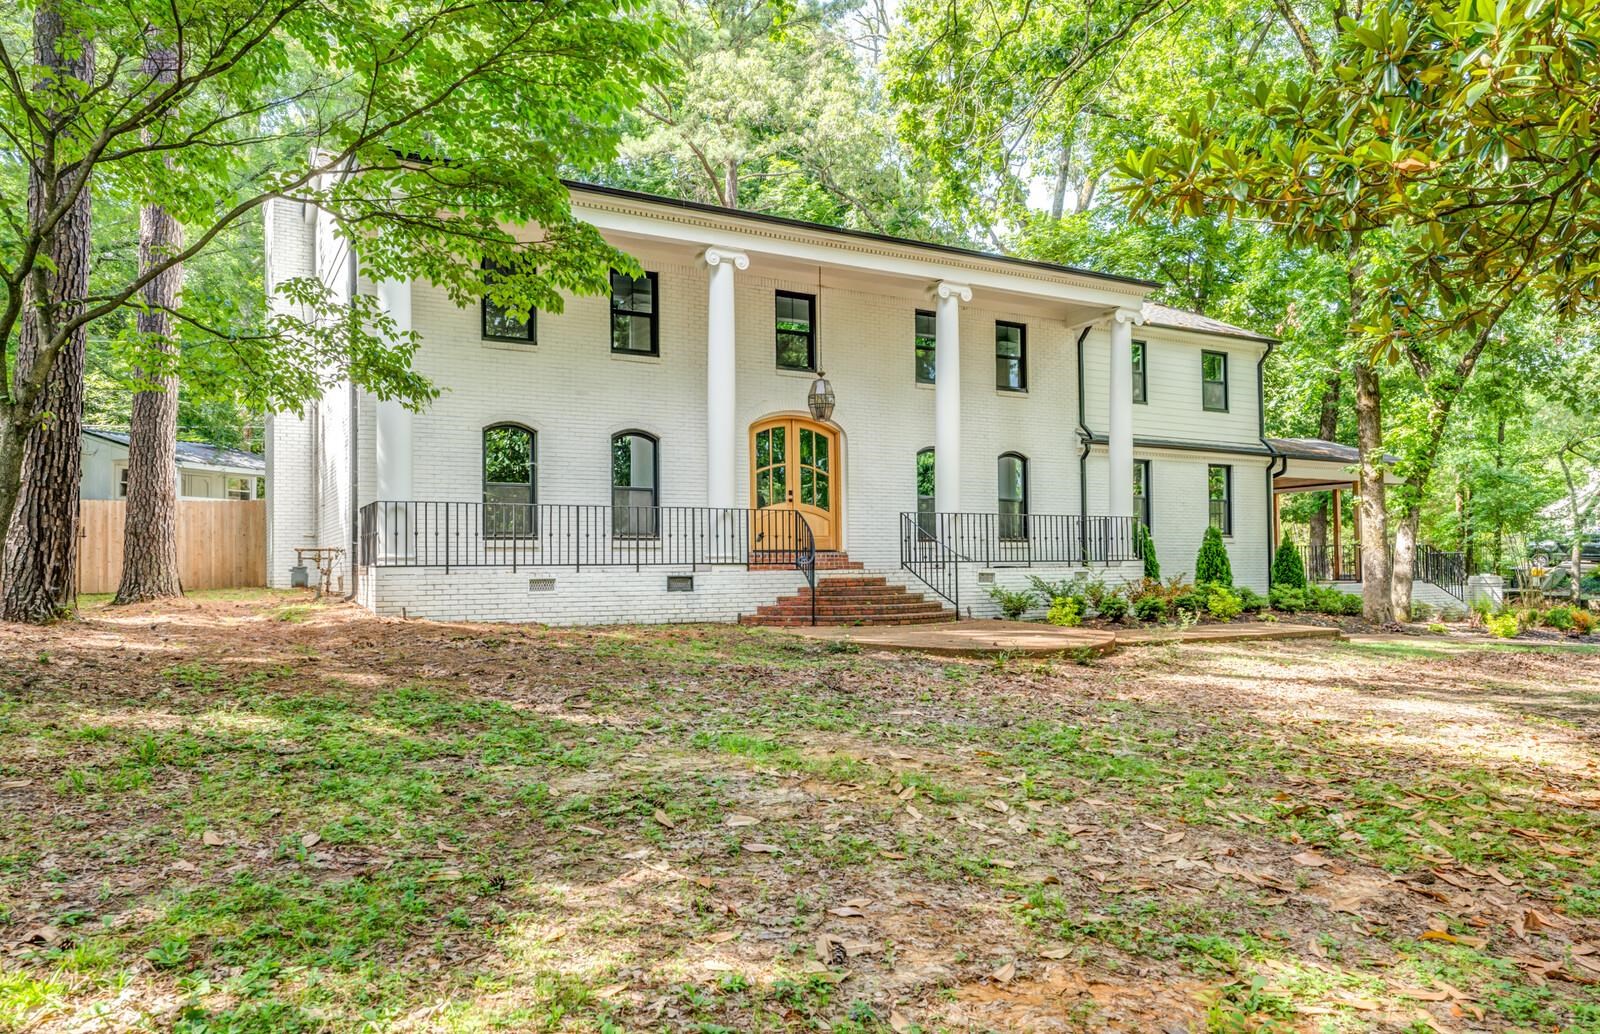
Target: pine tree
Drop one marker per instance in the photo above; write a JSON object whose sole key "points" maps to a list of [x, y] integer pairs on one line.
{"points": [[1287, 568], [1147, 549], [1211, 566]]}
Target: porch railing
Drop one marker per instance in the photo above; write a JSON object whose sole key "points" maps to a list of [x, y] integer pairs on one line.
{"points": [[1447, 570], [445, 534], [933, 546]]}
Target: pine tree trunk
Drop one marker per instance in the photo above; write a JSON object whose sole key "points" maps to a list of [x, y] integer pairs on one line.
{"points": [[150, 523], [39, 570]]}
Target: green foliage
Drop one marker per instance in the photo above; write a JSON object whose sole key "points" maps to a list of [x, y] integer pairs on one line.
{"points": [[1251, 601], [1211, 566], [1559, 618], [1223, 604], [1146, 545], [1290, 601], [1421, 611], [1066, 611], [1150, 608], [1113, 607], [1503, 626], [1012, 604], [1193, 601], [1287, 567]]}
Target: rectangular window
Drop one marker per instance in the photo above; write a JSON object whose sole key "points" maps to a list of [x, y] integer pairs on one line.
{"points": [[1214, 381], [1138, 372], [926, 345], [797, 330], [1141, 491], [1219, 485], [122, 483], [633, 314], [241, 488], [1010, 356], [193, 486], [503, 324]]}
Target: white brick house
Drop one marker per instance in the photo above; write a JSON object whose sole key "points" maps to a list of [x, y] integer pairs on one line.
{"points": [[663, 434]]}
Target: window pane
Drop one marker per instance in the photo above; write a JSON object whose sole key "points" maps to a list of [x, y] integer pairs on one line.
{"points": [[808, 481], [806, 438], [498, 322], [926, 342], [1008, 373], [763, 489], [925, 366], [779, 451], [821, 460], [1138, 371], [632, 333], [1214, 395], [763, 448], [508, 455], [925, 476], [794, 351], [1212, 366], [822, 490], [1008, 340]]}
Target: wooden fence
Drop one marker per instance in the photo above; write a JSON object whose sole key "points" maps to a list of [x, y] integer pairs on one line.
{"points": [[222, 543]]}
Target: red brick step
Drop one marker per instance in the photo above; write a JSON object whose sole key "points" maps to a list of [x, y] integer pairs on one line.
{"points": [[852, 600]]}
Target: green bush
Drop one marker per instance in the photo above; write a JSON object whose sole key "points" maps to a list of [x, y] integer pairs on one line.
{"points": [[1194, 601], [1287, 568], [1350, 605], [1012, 604], [1559, 618], [1452, 613], [1438, 629], [1113, 607], [1290, 601], [1147, 549], [1211, 566], [1224, 604], [1421, 611], [1503, 626], [1252, 601], [1066, 611], [1150, 608]]}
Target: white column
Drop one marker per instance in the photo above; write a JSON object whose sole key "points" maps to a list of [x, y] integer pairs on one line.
{"points": [[392, 448], [1119, 479], [721, 437], [947, 397]]}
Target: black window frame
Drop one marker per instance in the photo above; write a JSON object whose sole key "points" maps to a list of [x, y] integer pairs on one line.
{"points": [[1141, 372], [1013, 527], [654, 314], [515, 528], [1226, 523], [1021, 358], [1206, 382], [926, 522], [1144, 511], [638, 526], [531, 337], [810, 335], [932, 349]]}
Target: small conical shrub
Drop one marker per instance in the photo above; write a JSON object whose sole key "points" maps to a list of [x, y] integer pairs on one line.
{"points": [[1147, 549], [1287, 568], [1211, 566]]}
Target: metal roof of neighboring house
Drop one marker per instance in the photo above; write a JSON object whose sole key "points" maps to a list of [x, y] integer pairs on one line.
{"points": [[1158, 315], [202, 454], [1316, 449]]}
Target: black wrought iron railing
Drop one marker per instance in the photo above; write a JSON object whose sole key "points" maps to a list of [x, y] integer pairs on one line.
{"points": [[1320, 566], [934, 546], [445, 534], [1447, 570]]}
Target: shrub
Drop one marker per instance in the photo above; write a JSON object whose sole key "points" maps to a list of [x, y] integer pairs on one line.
{"points": [[1421, 611], [1582, 622], [1223, 604], [1066, 611], [1528, 617], [1452, 614], [1047, 590], [1503, 626], [1252, 601], [1114, 607], [1559, 618], [1211, 566], [1290, 601], [1438, 629], [1150, 608], [1324, 599], [1350, 605], [1287, 567], [1147, 549], [1193, 601], [1012, 604]]}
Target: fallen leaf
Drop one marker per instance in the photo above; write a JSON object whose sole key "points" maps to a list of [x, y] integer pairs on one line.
{"points": [[997, 805], [898, 1022], [1173, 837], [1450, 938], [1310, 859], [211, 838], [664, 819], [590, 831], [757, 847], [1055, 953], [311, 840], [722, 935], [736, 821], [844, 912], [1004, 974]]}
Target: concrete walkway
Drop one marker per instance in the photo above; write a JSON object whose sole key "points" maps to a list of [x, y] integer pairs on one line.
{"points": [[981, 638]]}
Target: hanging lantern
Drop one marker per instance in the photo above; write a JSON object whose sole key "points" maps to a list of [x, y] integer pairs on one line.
{"points": [[820, 399]]}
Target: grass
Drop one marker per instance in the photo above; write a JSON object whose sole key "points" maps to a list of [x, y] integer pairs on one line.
{"points": [[266, 814]]}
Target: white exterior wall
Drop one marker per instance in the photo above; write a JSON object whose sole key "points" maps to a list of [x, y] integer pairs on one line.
{"points": [[1172, 408]]}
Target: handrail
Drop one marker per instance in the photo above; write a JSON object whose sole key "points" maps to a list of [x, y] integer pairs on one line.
{"points": [[930, 560], [806, 560], [415, 533], [1447, 570]]}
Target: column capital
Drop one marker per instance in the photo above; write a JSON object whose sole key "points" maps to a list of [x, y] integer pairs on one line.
{"points": [[737, 259], [1133, 316], [950, 289]]}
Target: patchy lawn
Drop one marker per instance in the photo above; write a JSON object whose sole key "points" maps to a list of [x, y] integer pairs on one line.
{"points": [[256, 813]]}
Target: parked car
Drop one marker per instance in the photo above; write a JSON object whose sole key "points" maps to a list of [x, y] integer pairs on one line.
{"points": [[1554, 551]]}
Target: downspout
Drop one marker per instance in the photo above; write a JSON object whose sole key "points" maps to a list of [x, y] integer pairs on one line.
{"points": [[1277, 463], [355, 455], [1085, 436]]}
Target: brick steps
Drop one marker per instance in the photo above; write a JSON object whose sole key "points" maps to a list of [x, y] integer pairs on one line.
{"points": [[852, 600]]}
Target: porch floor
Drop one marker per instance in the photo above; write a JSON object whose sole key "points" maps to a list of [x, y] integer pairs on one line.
{"points": [[975, 638]]}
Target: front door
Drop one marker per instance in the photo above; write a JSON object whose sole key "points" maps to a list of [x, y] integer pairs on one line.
{"points": [[794, 465]]}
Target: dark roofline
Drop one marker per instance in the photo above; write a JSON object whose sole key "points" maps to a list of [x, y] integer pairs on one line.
{"points": [[864, 235], [1240, 335], [223, 457]]}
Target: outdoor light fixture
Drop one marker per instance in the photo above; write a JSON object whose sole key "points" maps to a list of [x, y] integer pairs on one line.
{"points": [[820, 398]]}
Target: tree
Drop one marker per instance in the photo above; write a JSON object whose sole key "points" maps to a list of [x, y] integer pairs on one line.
{"points": [[1288, 569], [372, 112], [1147, 550], [1211, 565]]}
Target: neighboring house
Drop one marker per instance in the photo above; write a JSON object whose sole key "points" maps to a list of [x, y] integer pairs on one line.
{"points": [[644, 457], [204, 471]]}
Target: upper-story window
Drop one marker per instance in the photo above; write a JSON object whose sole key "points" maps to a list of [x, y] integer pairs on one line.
{"points": [[1214, 381], [1010, 356], [504, 325], [635, 485], [633, 314], [927, 340], [1141, 491], [1139, 359], [510, 479], [1013, 501], [1219, 487], [796, 330]]}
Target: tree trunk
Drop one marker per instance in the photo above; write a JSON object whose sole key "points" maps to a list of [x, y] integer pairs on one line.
{"points": [[1377, 604], [39, 569], [1058, 199], [150, 523], [1405, 559], [1327, 427], [730, 184]]}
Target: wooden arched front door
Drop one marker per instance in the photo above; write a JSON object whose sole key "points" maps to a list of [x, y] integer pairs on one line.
{"points": [[795, 465]]}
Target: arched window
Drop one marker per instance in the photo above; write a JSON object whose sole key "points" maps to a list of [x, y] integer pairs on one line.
{"points": [[1013, 496], [635, 484], [925, 499], [510, 479]]}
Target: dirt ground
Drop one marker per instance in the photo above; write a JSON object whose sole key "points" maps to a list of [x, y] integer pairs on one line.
{"points": [[252, 812]]}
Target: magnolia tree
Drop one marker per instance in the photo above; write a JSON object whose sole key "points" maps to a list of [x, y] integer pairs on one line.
{"points": [[428, 131]]}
